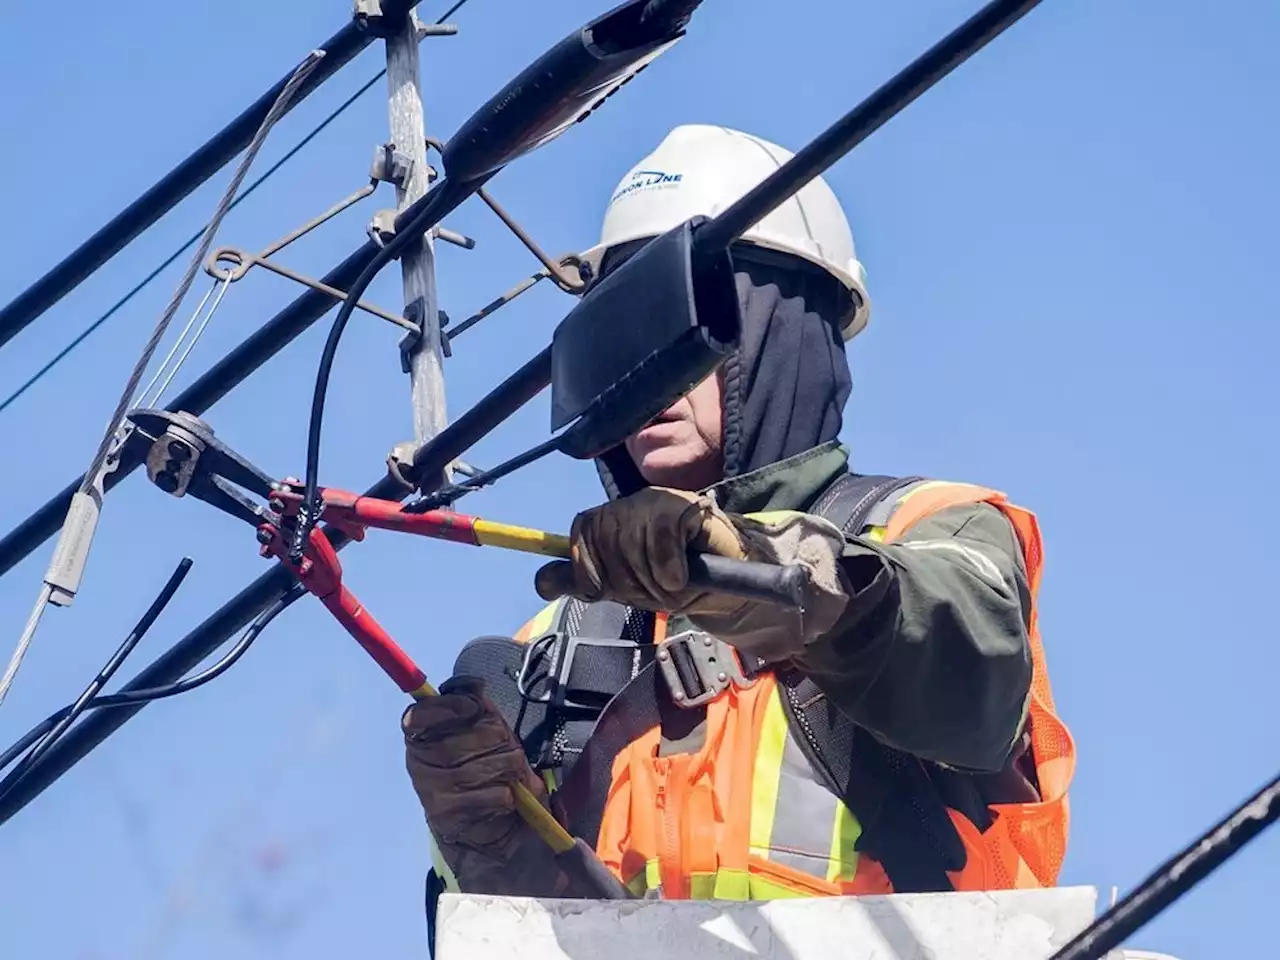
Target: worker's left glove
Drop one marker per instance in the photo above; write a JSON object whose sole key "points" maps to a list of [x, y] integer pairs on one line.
{"points": [[634, 550], [464, 760]]}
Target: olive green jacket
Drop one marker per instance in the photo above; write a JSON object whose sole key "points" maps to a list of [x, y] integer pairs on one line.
{"points": [[932, 655]]}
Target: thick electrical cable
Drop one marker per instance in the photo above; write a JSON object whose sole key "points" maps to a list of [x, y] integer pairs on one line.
{"points": [[93, 476], [430, 460], [669, 15], [1176, 876], [170, 190], [863, 120], [244, 195], [160, 268], [62, 718]]}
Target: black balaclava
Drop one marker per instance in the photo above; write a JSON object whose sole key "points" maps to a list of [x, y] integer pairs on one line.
{"points": [[785, 387]]}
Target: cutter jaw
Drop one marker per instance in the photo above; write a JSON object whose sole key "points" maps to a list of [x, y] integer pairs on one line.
{"points": [[183, 456]]}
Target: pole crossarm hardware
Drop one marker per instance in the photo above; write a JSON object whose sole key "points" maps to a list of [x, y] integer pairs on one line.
{"points": [[214, 384], [237, 366], [229, 264]]}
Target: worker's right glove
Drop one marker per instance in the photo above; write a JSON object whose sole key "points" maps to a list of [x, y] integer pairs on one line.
{"points": [[633, 550], [463, 759]]}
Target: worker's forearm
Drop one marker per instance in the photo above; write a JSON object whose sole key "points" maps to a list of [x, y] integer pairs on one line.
{"points": [[932, 654]]}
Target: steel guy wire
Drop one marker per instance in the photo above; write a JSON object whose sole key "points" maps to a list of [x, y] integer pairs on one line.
{"points": [[244, 195], [217, 302], [24, 642], [145, 399], [94, 474], [206, 241]]}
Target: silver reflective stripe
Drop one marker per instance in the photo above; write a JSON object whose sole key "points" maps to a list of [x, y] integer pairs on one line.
{"points": [[804, 816], [978, 562], [879, 514]]}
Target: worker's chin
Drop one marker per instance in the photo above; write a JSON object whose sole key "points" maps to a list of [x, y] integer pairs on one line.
{"points": [[683, 466]]}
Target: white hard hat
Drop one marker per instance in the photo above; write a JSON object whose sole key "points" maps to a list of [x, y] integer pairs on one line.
{"points": [[700, 169]]}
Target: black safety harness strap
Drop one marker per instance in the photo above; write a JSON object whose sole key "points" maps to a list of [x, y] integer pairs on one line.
{"points": [[905, 824], [584, 791]]}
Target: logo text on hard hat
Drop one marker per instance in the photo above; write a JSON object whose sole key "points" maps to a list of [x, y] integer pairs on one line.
{"points": [[644, 180]]}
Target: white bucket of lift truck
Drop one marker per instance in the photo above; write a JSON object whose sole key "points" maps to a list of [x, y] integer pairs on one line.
{"points": [[999, 925]]}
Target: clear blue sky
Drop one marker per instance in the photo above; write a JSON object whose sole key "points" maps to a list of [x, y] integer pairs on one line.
{"points": [[1071, 248]]}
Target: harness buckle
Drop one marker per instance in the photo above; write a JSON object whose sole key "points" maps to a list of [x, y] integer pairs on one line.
{"points": [[698, 668], [549, 661]]}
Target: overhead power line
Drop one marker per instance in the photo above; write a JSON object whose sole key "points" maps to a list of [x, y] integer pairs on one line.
{"points": [[244, 195], [160, 268], [66, 567], [170, 190]]}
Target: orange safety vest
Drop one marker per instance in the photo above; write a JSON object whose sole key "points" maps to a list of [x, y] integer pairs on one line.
{"points": [[746, 818]]}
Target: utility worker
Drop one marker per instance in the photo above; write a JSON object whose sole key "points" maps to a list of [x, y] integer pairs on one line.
{"points": [[898, 735]]}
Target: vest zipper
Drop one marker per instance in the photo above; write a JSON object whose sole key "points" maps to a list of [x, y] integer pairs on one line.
{"points": [[797, 711], [669, 802]]}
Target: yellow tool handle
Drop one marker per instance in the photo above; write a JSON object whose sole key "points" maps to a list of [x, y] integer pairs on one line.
{"points": [[489, 533]]}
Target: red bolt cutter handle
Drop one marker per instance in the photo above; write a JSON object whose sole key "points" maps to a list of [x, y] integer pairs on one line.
{"points": [[321, 573]]}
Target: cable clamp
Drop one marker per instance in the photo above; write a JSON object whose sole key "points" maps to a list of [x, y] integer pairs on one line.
{"points": [[390, 165], [411, 342], [399, 461], [382, 228]]}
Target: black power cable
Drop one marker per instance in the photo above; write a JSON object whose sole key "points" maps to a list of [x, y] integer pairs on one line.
{"points": [[668, 15], [160, 268], [46, 733], [271, 587], [170, 190], [68, 715], [1176, 876], [244, 195], [211, 386]]}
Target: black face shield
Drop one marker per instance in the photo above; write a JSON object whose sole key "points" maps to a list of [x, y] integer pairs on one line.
{"points": [[786, 385]]}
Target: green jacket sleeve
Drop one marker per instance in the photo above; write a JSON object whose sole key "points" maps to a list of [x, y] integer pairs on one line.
{"points": [[932, 653]]}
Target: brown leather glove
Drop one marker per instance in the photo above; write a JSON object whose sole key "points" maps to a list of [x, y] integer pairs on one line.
{"points": [[462, 759], [634, 551]]}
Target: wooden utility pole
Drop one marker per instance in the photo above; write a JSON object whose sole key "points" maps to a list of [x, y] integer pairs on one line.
{"points": [[424, 355]]}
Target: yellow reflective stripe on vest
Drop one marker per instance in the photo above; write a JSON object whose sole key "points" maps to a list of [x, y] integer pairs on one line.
{"points": [[721, 885], [843, 859], [796, 822], [541, 623], [766, 776]]}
